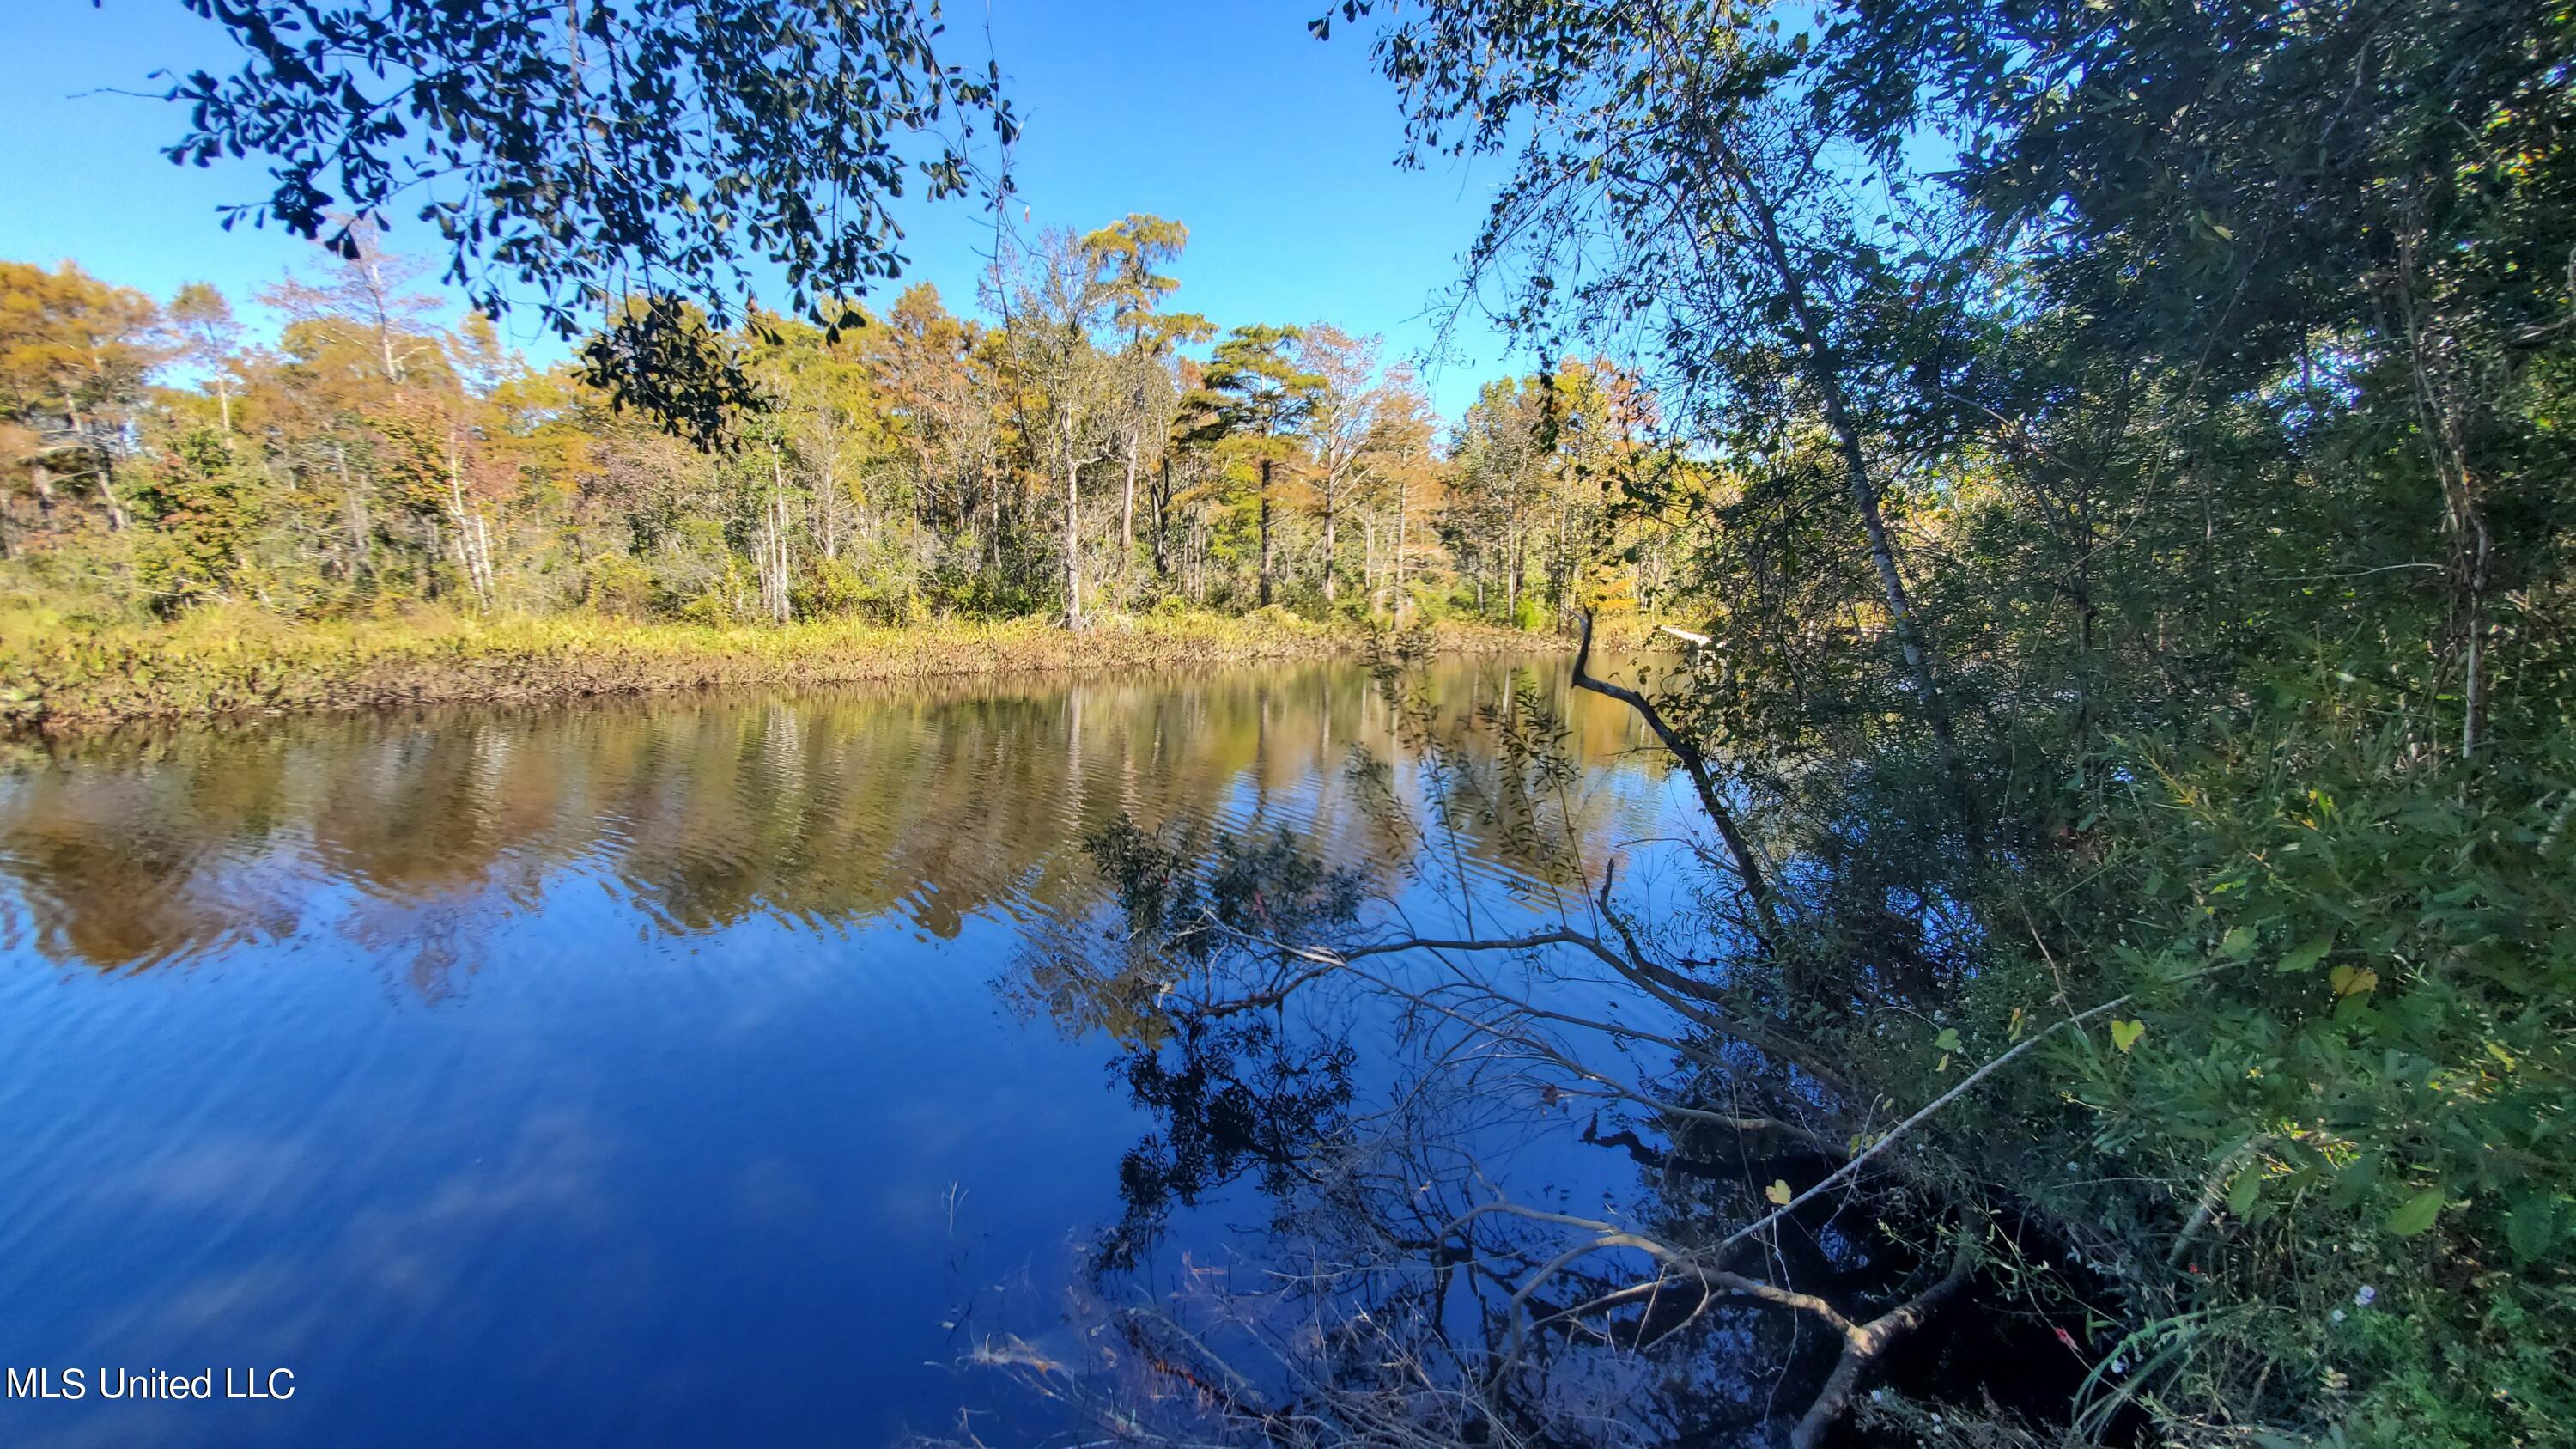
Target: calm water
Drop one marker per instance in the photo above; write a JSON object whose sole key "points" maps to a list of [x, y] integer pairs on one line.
{"points": [[659, 1071]]}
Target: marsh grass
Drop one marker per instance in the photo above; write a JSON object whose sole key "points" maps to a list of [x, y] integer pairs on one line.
{"points": [[55, 672]]}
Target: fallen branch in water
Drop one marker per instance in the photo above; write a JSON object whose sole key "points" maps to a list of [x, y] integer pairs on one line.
{"points": [[1864, 1342], [1686, 752]]}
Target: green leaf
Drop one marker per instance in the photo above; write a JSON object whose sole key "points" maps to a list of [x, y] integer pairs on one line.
{"points": [[2242, 1193], [1947, 1041], [2125, 1034], [2418, 1214], [2307, 953], [2238, 944], [2532, 1226], [1778, 1192]]}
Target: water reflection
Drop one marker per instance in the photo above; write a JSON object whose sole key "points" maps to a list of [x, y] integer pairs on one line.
{"points": [[633, 1072], [928, 803]]}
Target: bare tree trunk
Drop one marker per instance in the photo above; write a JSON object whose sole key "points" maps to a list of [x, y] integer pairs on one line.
{"points": [[1331, 554], [1072, 531], [106, 472], [1127, 513], [781, 602], [1560, 569], [380, 302], [1163, 517], [1403, 505], [769, 551], [473, 537], [116, 519], [1369, 572], [1265, 532], [827, 506], [993, 518]]}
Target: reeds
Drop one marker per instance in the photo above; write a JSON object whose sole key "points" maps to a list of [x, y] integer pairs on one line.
{"points": [[228, 663]]}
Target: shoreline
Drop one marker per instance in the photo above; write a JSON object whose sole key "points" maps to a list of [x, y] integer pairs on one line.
{"points": [[215, 668]]}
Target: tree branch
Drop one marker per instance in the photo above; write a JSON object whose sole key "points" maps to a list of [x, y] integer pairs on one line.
{"points": [[1757, 886]]}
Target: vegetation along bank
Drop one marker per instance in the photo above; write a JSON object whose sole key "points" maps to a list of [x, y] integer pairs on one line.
{"points": [[227, 663]]}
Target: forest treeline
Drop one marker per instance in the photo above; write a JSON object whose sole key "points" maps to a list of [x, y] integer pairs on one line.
{"points": [[1068, 452]]}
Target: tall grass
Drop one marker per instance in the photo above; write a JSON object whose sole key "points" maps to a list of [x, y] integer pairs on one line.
{"points": [[219, 662]]}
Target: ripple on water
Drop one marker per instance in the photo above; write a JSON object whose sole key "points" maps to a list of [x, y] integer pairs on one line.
{"points": [[637, 1041]]}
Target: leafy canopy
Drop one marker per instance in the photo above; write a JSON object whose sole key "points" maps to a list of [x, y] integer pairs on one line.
{"points": [[589, 152]]}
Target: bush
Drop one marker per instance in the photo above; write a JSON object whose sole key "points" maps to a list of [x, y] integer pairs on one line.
{"points": [[832, 589], [619, 587]]}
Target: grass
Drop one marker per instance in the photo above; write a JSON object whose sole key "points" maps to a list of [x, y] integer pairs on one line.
{"points": [[219, 662]]}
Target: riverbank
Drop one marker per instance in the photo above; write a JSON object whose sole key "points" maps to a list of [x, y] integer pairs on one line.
{"points": [[217, 664]]}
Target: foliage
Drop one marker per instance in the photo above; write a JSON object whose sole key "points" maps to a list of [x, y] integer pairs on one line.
{"points": [[617, 160], [921, 465], [2118, 453]]}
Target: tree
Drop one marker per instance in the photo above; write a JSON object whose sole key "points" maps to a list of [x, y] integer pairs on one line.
{"points": [[949, 408], [359, 304], [1052, 312], [1590, 421], [1684, 193], [1399, 475], [2175, 371], [2317, 174], [836, 423], [1342, 423], [1257, 397], [1501, 470], [210, 340], [74, 356], [597, 153], [1128, 253], [197, 500]]}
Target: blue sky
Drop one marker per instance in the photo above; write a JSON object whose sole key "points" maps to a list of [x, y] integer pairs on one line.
{"points": [[1276, 149]]}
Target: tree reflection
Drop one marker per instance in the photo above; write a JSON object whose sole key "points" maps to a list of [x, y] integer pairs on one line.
{"points": [[929, 804], [1233, 1100], [1601, 1192]]}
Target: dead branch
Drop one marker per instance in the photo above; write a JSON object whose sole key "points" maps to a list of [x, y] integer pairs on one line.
{"points": [[1923, 1114], [1686, 752], [1863, 1343]]}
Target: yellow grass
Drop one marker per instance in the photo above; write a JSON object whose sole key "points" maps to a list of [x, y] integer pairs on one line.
{"points": [[227, 662]]}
